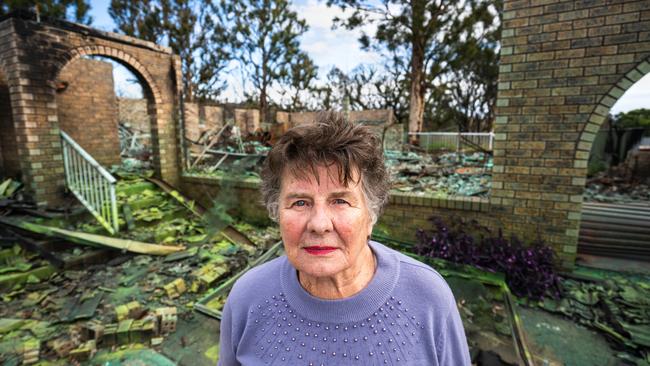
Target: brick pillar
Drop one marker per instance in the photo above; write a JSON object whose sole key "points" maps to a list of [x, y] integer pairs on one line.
{"points": [[166, 122], [40, 155]]}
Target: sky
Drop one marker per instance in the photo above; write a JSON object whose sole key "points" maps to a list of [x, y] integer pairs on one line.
{"points": [[328, 48]]}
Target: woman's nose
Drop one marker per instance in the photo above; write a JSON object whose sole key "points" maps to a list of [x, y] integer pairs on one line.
{"points": [[320, 221]]}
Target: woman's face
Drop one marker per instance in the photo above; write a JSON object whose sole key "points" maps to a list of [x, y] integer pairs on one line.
{"points": [[325, 226]]}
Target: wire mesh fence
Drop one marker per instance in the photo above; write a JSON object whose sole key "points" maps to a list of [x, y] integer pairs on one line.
{"points": [[454, 141]]}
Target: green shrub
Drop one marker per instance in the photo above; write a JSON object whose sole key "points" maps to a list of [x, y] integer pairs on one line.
{"points": [[596, 166]]}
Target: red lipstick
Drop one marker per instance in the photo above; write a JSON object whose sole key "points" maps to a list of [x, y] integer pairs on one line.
{"points": [[318, 250]]}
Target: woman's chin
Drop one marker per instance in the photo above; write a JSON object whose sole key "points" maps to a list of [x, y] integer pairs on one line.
{"points": [[319, 267]]}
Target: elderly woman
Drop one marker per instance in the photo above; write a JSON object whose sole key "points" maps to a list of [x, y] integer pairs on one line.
{"points": [[336, 297]]}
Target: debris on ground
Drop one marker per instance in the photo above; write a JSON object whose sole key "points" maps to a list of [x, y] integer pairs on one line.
{"points": [[222, 145], [616, 186], [485, 319], [66, 302], [440, 175], [448, 174], [134, 143], [443, 175], [614, 304], [8, 188]]}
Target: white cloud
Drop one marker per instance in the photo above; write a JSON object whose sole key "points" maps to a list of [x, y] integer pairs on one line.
{"points": [[332, 47], [327, 47], [638, 96]]}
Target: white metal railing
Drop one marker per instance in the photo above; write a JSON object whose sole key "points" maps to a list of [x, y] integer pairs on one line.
{"points": [[454, 140], [93, 186]]}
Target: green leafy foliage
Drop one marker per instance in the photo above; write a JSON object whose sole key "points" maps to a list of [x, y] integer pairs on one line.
{"points": [[73, 10], [634, 118], [264, 40], [186, 26], [596, 166], [438, 46]]}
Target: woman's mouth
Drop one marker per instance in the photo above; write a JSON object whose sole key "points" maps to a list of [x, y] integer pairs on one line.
{"points": [[318, 250]]}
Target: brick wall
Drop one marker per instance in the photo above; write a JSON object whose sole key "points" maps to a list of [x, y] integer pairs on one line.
{"points": [[33, 54], [248, 120], [563, 65], [199, 118], [370, 117], [243, 197], [403, 216], [88, 108]]}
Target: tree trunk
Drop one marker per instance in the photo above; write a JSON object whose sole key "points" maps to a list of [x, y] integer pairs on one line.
{"points": [[263, 103], [416, 105], [263, 86]]}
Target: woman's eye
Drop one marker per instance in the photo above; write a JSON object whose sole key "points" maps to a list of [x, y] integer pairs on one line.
{"points": [[300, 203], [339, 201]]}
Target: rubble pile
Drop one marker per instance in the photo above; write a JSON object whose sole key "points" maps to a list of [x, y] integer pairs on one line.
{"points": [[134, 144], [614, 186], [65, 302], [449, 174], [222, 145], [616, 305], [444, 175]]}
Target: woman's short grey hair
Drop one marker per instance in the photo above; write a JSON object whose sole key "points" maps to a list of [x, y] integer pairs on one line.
{"points": [[330, 141]]}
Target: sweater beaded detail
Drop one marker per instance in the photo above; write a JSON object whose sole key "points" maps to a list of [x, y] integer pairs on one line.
{"points": [[386, 336], [269, 319]]}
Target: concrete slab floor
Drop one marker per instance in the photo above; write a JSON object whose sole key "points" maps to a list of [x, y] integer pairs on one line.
{"points": [[558, 341]]}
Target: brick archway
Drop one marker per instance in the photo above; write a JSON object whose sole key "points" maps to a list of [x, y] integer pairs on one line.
{"points": [[35, 52], [150, 89], [562, 66], [601, 110], [122, 57]]}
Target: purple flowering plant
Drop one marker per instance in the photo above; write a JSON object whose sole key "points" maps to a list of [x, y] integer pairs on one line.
{"points": [[530, 270]]}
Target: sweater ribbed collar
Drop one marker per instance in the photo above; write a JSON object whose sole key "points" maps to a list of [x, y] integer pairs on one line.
{"points": [[353, 308]]}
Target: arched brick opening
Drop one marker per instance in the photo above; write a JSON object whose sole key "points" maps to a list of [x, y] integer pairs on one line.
{"points": [[150, 89], [601, 110], [36, 51], [562, 66]]}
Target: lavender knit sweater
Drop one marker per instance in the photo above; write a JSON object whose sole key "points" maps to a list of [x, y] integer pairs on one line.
{"points": [[406, 316]]}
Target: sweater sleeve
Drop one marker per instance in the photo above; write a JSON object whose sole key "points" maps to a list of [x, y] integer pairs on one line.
{"points": [[453, 349], [227, 351]]}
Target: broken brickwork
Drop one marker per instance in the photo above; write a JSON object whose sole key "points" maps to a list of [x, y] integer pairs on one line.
{"points": [[88, 109], [372, 117], [32, 57], [199, 118], [248, 120]]}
